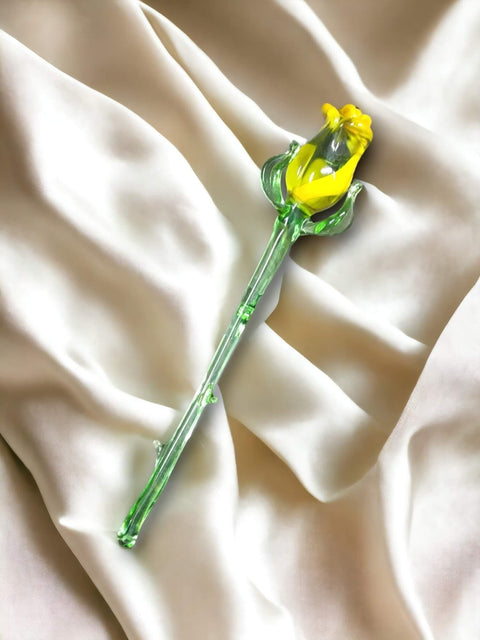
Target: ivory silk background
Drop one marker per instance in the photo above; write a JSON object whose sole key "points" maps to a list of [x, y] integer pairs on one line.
{"points": [[333, 493]]}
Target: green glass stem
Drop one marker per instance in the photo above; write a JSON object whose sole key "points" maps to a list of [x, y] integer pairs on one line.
{"points": [[287, 228], [290, 223]]}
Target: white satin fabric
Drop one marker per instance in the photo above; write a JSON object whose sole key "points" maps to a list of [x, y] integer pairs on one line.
{"points": [[334, 491]]}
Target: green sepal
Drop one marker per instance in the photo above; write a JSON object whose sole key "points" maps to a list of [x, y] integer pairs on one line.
{"points": [[272, 175], [338, 221]]}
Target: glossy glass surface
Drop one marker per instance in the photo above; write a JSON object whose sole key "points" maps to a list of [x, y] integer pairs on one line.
{"points": [[304, 180]]}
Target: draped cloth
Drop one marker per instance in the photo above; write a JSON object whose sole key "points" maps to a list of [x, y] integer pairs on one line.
{"points": [[334, 490]]}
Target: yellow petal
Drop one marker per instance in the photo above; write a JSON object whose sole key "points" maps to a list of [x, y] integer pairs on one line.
{"points": [[297, 166], [326, 190]]}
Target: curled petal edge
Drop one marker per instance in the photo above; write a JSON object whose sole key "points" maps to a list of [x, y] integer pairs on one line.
{"points": [[272, 174], [339, 220]]}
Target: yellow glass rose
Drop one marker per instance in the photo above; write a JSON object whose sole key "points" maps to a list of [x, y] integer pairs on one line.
{"points": [[321, 171], [304, 180]]}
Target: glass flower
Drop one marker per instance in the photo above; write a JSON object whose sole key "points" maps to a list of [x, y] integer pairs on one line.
{"points": [[321, 171], [316, 175], [304, 180]]}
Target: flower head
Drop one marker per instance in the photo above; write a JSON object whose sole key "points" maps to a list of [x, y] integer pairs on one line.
{"points": [[321, 170]]}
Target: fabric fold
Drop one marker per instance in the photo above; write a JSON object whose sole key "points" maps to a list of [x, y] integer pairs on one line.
{"points": [[300, 413], [332, 492]]}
